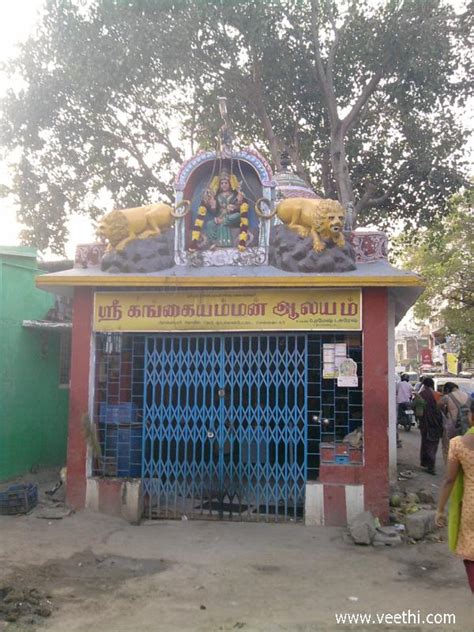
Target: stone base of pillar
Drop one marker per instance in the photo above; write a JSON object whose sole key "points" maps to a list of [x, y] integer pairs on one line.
{"points": [[332, 504], [116, 497]]}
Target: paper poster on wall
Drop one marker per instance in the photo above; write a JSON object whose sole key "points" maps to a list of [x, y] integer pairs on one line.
{"points": [[347, 373], [329, 371], [340, 353], [333, 356], [328, 353], [329, 365], [349, 380]]}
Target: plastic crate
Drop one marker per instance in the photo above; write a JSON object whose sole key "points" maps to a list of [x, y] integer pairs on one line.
{"points": [[118, 413], [18, 499], [121, 449]]}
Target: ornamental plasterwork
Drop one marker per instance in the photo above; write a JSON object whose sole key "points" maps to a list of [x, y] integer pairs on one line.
{"points": [[222, 257], [248, 155]]}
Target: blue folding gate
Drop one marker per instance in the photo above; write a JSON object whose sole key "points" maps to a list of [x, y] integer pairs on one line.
{"points": [[225, 426]]}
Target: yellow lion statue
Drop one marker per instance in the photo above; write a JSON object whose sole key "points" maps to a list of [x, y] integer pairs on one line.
{"points": [[322, 220], [120, 227]]}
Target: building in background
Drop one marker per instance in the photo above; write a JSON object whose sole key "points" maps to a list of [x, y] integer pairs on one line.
{"points": [[415, 348], [426, 347], [34, 367]]}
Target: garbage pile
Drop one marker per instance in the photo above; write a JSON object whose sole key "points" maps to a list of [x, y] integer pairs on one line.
{"points": [[412, 518], [24, 604]]}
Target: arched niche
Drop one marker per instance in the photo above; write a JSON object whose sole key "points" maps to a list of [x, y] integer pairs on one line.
{"points": [[256, 181]]}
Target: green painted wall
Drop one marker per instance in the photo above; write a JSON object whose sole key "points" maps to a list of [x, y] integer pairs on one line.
{"points": [[33, 409]]}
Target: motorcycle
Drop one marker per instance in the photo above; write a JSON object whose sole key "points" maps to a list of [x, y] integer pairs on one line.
{"points": [[406, 417]]}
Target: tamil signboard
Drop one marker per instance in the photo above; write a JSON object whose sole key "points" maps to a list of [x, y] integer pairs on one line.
{"points": [[240, 310]]}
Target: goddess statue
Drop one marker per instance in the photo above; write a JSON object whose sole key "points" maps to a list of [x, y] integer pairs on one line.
{"points": [[222, 208]]}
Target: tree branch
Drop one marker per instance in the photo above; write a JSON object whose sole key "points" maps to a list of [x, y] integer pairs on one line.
{"points": [[161, 137], [326, 174], [334, 45], [295, 155], [259, 106], [378, 201], [135, 151], [367, 200], [324, 81], [364, 96]]}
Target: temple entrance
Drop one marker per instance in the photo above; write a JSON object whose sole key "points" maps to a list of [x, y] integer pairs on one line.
{"points": [[225, 426], [220, 425]]}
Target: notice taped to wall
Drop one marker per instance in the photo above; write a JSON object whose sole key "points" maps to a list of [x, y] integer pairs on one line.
{"points": [[347, 373], [329, 361], [333, 356]]}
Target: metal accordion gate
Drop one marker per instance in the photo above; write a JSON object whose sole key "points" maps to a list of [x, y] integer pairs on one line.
{"points": [[225, 426]]}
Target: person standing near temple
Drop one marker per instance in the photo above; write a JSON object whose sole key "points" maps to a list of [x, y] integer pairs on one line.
{"points": [[452, 404], [431, 425], [458, 486], [404, 392]]}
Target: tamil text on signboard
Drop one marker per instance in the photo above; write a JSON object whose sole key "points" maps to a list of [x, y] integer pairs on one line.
{"points": [[245, 310]]}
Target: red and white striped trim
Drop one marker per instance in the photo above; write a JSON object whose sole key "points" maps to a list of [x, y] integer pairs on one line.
{"points": [[332, 504]]}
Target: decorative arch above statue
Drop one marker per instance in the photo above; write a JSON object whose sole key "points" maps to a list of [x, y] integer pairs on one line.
{"points": [[231, 197]]}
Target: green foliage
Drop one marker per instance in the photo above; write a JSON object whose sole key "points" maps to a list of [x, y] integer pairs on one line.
{"points": [[110, 94], [444, 255]]}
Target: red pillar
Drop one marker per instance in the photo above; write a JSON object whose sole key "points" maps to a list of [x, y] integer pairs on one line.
{"points": [[79, 396], [375, 363]]}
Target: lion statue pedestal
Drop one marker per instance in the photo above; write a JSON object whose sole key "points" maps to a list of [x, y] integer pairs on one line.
{"points": [[142, 255], [140, 239], [290, 252], [311, 237]]}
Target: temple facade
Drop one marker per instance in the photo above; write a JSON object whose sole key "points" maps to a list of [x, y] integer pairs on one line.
{"points": [[232, 355]]}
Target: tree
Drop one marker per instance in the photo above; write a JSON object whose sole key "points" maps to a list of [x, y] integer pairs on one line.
{"points": [[444, 255], [365, 98]]}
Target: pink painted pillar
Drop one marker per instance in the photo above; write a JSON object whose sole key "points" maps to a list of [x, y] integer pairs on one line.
{"points": [[79, 396], [375, 363]]}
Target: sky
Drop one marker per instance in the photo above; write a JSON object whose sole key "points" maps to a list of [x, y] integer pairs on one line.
{"points": [[17, 19]]}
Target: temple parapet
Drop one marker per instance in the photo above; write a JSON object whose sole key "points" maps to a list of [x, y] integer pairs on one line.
{"points": [[89, 255], [369, 246]]}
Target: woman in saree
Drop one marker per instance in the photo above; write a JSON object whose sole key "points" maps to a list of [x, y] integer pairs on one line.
{"points": [[458, 486], [431, 426]]}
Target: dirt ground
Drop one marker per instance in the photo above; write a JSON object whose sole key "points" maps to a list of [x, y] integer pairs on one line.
{"points": [[87, 572]]}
